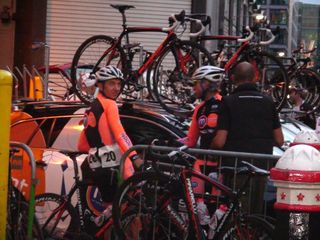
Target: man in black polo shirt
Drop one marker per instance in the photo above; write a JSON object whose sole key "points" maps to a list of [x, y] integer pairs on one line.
{"points": [[248, 120]]}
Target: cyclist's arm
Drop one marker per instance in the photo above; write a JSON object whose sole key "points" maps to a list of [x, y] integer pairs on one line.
{"points": [[83, 145], [193, 133], [220, 138], [277, 130], [116, 128]]}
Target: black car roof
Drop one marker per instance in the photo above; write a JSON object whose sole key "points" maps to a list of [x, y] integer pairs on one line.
{"points": [[148, 110]]}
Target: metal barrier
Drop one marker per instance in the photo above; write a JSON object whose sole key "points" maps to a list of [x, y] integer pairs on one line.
{"points": [[31, 204], [210, 156]]}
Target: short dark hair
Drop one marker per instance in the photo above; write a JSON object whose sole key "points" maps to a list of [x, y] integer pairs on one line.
{"points": [[244, 72]]}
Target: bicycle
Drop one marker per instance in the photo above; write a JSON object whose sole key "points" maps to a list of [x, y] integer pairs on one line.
{"points": [[102, 50], [18, 210], [167, 206], [59, 219], [304, 78], [271, 75]]}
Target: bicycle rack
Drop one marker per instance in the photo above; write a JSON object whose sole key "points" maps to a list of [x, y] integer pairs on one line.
{"points": [[31, 209]]}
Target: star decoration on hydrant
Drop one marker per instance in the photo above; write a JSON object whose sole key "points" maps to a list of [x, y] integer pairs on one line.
{"points": [[283, 196], [300, 197], [317, 197]]}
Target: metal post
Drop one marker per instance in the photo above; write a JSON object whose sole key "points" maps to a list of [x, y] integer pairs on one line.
{"points": [[141, 78], [5, 106], [46, 75]]}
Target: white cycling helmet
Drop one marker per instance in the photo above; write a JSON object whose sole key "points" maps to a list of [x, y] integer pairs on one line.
{"points": [[210, 73], [107, 73], [307, 136]]}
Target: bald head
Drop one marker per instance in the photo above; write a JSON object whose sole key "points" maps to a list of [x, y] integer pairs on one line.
{"points": [[244, 72]]}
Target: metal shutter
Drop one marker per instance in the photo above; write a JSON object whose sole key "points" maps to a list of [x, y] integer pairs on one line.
{"points": [[70, 22]]}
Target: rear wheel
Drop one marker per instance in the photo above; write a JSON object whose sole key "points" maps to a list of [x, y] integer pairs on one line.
{"points": [[248, 227], [309, 81], [95, 52], [172, 72], [271, 76], [139, 211]]}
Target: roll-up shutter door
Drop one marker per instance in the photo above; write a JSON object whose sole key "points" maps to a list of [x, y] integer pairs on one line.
{"points": [[70, 22]]}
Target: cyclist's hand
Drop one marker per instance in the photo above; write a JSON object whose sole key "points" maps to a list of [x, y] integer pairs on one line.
{"points": [[138, 164]]}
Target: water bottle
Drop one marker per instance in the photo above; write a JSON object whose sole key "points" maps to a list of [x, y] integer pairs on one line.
{"points": [[203, 213], [216, 217], [318, 126]]}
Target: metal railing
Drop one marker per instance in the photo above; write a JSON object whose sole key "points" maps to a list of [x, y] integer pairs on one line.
{"points": [[265, 161], [31, 203]]}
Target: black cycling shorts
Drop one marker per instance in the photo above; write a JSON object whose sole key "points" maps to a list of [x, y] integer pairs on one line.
{"points": [[106, 179]]}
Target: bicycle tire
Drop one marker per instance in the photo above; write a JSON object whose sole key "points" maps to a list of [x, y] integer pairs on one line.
{"points": [[17, 217], [272, 75], [309, 81], [69, 221], [249, 227], [89, 57], [175, 92], [139, 193]]}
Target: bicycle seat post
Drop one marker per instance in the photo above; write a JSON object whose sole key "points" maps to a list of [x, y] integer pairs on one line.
{"points": [[124, 25]]}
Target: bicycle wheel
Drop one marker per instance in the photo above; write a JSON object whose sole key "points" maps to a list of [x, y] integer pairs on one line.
{"points": [[271, 76], [171, 81], [17, 217], [248, 227], [309, 81], [93, 53], [58, 219], [141, 209]]}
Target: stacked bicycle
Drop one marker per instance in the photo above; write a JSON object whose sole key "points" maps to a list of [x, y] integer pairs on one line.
{"points": [[165, 204], [182, 56], [271, 75], [169, 68], [304, 78]]}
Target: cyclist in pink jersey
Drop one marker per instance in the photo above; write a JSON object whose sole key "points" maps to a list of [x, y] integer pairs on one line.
{"points": [[103, 136], [206, 81]]}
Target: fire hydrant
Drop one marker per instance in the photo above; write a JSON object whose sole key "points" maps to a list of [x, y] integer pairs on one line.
{"points": [[297, 179]]}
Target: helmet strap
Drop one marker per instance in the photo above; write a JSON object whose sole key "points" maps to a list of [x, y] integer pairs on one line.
{"points": [[204, 90]]}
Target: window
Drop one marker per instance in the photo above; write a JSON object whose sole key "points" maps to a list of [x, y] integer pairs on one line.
{"points": [[278, 17], [261, 2], [281, 37], [279, 2]]}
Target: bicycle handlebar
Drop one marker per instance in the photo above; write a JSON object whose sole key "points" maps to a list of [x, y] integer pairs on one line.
{"points": [[300, 50], [176, 18], [269, 32], [251, 34], [200, 23]]}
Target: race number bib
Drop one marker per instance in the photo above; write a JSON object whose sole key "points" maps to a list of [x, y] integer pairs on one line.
{"points": [[93, 159], [110, 156]]}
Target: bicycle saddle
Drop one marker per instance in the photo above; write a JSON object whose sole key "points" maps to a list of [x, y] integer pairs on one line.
{"points": [[121, 7]]}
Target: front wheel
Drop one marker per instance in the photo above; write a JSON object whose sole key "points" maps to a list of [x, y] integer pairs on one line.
{"points": [[172, 72], [58, 219]]}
